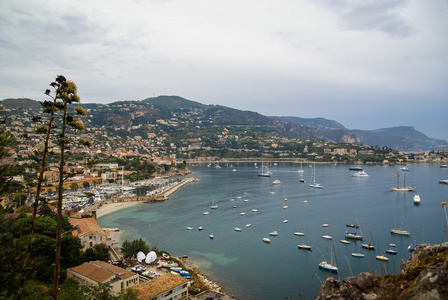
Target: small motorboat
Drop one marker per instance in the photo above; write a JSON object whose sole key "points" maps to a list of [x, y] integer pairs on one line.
{"points": [[189, 228], [254, 210], [328, 237], [298, 233], [360, 174], [266, 240], [325, 225], [138, 268], [275, 182], [368, 246], [212, 236], [352, 225], [417, 199], [399, 231], [390, 251], [305, 247], [344, 242], [355, 254], [237, 229], [243, 214], [285, 221], [200, 228], [274, 233], [392, 245], [248, 225], [383, 258]]}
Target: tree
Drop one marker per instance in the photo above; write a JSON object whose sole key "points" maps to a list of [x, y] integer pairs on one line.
{"points": [[6, 172], [67, 97], [74, 186], [97, 252], [130, 249]]}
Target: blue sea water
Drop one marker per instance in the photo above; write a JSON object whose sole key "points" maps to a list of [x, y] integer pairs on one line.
{"points": [[251, 269]]}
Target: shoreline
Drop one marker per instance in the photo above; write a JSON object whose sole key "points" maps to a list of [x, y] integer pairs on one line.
{"points": [[110, 207]]}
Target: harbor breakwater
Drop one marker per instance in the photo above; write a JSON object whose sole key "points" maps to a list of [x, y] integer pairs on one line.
{"points": [[164, 195]]}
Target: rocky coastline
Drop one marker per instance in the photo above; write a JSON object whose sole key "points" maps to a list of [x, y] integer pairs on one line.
{"points": [[424, 275]]}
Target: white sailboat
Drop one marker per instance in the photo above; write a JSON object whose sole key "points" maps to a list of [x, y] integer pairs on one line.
{"points": [[404, 188], [329, 266], [315, 184], [214, 206]]}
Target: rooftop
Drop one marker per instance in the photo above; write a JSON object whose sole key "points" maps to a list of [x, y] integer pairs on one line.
{"points": [[101, 272], [159, 285], [85, 225]]}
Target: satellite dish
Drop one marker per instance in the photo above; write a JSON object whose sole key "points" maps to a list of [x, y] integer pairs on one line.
{"points": [[140, 256], [151, 257]]}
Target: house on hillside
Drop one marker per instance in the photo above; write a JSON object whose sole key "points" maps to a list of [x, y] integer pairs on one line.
{"points": [[165, 287], [89, 232], [100, 272]]}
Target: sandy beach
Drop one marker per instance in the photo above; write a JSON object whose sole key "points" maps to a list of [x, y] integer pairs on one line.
{"points": [[107, 208]]}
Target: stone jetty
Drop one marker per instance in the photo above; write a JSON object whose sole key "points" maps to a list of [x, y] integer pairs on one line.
{"points": [[149, 198]]}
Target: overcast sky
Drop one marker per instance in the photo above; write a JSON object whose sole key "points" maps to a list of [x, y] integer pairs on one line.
{"points": [[367, 64]]}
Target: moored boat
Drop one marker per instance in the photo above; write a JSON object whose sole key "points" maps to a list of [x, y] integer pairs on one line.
{"points": [[383, 258], [328, 267], [328, 237], [399, 231], [352, 225], [417, 199], [274, 233], [237, 229], [390, 251], [277, 181], [368, 246], [298, 233], [266, 240], [357, 168], [404, 188], [355, 254], [305, 247], [353, 236], [344, 242], [360, 174]]}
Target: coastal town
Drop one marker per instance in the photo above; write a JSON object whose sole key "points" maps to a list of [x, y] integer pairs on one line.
{"points": [[120, 171]]}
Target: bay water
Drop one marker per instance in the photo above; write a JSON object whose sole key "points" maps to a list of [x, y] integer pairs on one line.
{"points": [[251, 269]]}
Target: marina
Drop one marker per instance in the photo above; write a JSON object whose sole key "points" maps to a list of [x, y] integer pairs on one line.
{"points": [[236, 259]]}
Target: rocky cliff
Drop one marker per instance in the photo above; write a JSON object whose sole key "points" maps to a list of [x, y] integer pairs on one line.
{"points": [[424, 275]]}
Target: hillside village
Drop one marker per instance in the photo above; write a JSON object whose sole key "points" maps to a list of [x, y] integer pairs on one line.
{"points": [[165, 140]]}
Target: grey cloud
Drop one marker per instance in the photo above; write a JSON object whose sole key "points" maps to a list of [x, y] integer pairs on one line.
{"points": [[380, 15]]}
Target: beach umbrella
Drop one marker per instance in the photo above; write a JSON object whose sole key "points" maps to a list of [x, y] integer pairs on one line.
{"points": [[140, 256]]}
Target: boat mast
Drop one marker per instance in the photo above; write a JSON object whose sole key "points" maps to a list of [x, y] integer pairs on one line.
{"points": [[404, 181]]}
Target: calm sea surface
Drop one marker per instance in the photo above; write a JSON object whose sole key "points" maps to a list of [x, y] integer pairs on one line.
{"points": [[251, 269]]}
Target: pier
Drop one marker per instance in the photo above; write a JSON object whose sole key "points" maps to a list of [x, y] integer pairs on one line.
{"points": [[148, 198]]}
